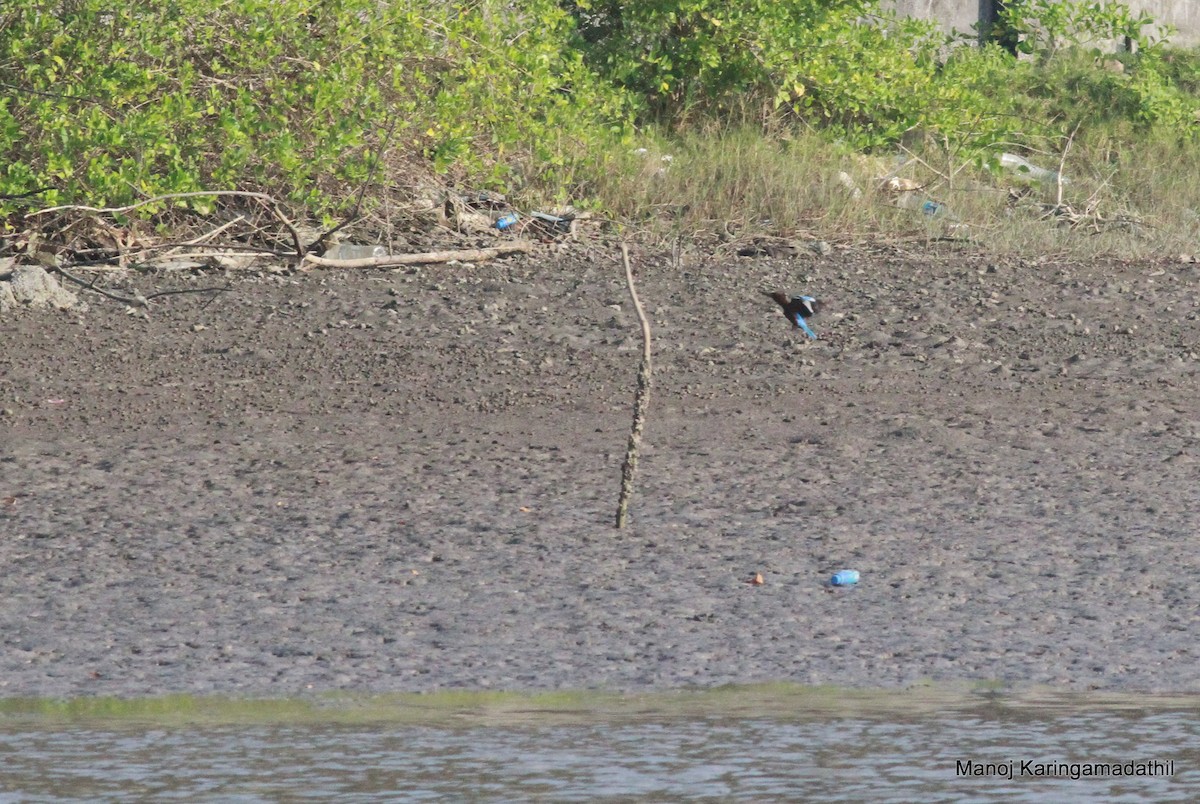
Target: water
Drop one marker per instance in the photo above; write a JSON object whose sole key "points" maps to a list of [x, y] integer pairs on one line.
{"points": [[833, 751]]}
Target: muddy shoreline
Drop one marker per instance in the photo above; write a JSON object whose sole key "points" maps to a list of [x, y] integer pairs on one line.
{"points": [[405, 480]]}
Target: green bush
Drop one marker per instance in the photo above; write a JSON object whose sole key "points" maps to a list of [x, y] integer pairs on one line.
{"points": [[680, 54], [1072, 81], [302, 99], [106, 104], [842, 66], [870, 78], [1043, 27], [870, 81]]}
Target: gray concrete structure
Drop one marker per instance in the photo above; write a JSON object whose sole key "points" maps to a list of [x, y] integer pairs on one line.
{"points": [[963, 14]]}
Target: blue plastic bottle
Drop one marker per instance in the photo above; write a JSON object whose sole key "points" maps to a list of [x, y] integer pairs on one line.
{"points": [[846, 577]]}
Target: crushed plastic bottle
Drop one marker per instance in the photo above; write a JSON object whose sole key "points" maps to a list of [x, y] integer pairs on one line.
{"points": [[926, 206], [847, 181], [1021, 165], [354, 251], [507, 221], [846, 577]]}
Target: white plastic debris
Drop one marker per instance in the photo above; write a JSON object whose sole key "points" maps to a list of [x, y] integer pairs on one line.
{"points": [[846, 181], [1021, 165]]}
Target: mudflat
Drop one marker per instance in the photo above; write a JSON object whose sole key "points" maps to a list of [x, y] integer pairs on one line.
{"points": [[406, 480]]}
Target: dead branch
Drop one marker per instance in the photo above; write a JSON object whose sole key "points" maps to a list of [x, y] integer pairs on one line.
{"points": [[641, 399], [209, 252], [195, 241], [147, 201], [267, 201], [1062, 163], [21, 196], [299, 252], [297, 243], [206, 250], [425, 258], [322, 240], [214, 289], [137, 299], [947, 178]]}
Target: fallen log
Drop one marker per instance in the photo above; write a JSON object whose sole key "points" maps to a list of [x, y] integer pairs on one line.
{"points": [[423, 258]]}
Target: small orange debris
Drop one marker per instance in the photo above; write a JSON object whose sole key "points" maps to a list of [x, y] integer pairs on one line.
{"points": [[757, 580]]}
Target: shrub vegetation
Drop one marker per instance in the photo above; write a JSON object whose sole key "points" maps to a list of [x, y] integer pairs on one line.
{"points": [[305, 99], [106, 104]]}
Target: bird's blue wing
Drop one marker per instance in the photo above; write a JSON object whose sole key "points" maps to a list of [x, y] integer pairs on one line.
{"points": [[804, 326]]}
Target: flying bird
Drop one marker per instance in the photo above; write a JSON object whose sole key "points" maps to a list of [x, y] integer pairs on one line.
{"points": [[797, 309]]}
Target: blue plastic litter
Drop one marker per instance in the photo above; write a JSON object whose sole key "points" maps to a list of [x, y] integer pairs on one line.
{"points": [[846, 577]]}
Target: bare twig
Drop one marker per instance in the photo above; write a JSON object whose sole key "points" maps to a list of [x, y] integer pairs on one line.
{"points": [[195, 241], [318, 245], [425, 258], [173, 246], [225, 289], [266, 200], [55, 95], [210, 251], [151, 200], [273, 205], [137, 299], [947, 178], [1062, 164], [641, 399], [19, 196], [1093, 199]]}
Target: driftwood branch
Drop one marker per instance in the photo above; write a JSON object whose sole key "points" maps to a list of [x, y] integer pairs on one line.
{"points": [[425, 258], [641, 399], [137, 299]]}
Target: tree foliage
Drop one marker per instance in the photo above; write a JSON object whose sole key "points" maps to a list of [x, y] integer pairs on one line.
{"points": [[112, 103], [108, 104]]}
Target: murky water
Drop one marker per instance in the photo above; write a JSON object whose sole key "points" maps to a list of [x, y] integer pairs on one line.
{"points": [[873, 752]]}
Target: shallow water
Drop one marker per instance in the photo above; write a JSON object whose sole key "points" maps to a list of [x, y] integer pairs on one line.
{"points": [[775, 746]]}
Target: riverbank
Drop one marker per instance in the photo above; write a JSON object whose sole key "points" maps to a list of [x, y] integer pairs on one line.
{"points": [[405, 480]]}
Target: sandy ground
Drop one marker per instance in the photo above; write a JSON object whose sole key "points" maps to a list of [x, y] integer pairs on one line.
{"points": [[405, 480]]}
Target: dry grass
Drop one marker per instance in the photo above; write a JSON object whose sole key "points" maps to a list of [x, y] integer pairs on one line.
{"points": [[1119, 200]]}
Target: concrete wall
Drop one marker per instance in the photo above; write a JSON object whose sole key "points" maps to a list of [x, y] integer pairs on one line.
{"points": [[959, 15], [1183, 14], [962, 14]]}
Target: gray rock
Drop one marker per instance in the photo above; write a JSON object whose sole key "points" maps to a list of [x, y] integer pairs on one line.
{"points": [[31, 286]]}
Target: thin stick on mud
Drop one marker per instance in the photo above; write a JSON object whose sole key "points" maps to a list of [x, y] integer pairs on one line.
{"points": [[641, 398]]}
